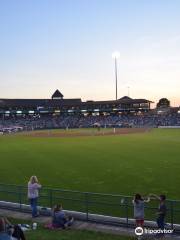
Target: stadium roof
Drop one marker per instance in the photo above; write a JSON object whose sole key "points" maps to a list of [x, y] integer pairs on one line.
{"points": [[59, 102], [125, 98], [38, 102], [57, 94]]}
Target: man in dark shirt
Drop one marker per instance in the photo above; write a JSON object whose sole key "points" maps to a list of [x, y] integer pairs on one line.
{"points": [[161, 211]]}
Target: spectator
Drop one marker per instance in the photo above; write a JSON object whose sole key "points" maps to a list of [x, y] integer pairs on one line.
{"points": [[3, 229], [17, 233], [10, 232], [33, 194], [162, 210], [60, 219], [138, 203]]}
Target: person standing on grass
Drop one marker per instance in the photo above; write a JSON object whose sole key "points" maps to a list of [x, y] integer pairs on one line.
{"points": [[162, 210], [33, 194], [138, 203]]}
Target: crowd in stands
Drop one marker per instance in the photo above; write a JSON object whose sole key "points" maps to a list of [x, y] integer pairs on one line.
{"points": [[78, 121]]}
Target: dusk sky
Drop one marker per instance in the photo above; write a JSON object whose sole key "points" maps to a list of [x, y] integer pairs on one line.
{"points": [[67, 45]]}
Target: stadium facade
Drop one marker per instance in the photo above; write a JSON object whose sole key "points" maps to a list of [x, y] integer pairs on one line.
{"points": [[58, 105]]}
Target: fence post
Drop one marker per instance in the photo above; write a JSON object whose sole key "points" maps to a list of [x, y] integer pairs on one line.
{"points": [[51, 198], [127, 213], [20, 197], [172, 215], [87, 206]]}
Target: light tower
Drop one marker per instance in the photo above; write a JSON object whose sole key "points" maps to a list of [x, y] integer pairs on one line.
{"points": [[115, 56]]}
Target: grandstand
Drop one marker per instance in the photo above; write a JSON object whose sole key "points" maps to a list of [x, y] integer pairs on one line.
{"points": [[58, 105], [57, 112]]}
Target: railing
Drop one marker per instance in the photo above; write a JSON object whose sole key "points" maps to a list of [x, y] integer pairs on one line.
{"points": [[118, 207]]}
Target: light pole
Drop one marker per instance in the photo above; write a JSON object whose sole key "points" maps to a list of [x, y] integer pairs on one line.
{"points": [[115, 56], [128, 91]]}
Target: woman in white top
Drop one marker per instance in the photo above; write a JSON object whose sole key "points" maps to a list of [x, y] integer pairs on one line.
{"points": [[138, 203], [33, 194]]}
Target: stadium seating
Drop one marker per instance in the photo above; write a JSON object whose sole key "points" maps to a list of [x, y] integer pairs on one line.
{"points": [[14, 124]]}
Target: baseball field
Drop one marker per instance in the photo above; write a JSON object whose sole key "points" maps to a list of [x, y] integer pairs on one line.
{"points": [[124, 162]]}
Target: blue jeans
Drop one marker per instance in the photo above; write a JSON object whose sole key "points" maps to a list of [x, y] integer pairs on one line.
{"points": [[4, 236], [160, 222], [33, 202]]}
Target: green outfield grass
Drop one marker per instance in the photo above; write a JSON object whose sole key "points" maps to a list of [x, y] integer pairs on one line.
{"points": [[68, 234], [124, 164]]}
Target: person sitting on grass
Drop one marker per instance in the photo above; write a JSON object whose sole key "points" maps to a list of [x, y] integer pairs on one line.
{"points": [[17, 233], [138, 203], [60, 219], [10, 232], [3, 229]]}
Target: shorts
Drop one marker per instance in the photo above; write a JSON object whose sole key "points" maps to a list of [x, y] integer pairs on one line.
{"points": [[139, 222]]}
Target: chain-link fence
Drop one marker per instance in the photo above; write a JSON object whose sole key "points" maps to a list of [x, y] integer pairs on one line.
{"points": [[117, 207]]}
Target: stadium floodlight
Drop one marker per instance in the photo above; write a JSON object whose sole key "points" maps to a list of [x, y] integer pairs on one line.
{"points": [[115, 56], [128, 91]]}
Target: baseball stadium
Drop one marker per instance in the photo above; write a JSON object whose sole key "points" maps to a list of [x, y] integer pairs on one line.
{"points": [[93, 156], [89, 120]]}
